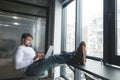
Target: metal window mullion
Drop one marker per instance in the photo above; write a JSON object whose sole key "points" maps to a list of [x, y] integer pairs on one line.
{"points": [[63, 38], [78, 33]]}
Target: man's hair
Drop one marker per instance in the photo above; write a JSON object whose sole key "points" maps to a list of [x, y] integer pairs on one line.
{"points": [[25, 35]]}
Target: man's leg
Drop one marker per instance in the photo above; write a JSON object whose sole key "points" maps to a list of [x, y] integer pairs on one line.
{"points": [[38, 67]]}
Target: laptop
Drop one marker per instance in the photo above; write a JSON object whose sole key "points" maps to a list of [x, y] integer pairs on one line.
{"points": [[49, 51]]}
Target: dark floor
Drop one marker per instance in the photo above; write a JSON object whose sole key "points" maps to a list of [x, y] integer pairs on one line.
{"points": [[23, 79]]}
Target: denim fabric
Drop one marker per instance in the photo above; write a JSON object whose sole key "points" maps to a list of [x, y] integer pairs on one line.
{"points": [[38, 67]]}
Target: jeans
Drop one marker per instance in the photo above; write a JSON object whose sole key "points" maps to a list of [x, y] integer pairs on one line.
{"points": [[40, 66]]}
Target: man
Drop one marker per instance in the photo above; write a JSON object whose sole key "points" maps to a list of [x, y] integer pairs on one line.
{"points": [[33, 64]]}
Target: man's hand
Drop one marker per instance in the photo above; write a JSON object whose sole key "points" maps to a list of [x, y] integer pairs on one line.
{"points": [[39, 55]]}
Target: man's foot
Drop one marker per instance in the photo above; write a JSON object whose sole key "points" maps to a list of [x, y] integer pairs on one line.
{"points": [[81, 54]]}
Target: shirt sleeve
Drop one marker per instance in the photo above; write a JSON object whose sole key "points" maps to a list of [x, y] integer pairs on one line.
{"points": [[19, 62]]}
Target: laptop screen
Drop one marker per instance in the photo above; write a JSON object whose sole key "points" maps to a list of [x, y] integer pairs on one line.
{"points": [[49, 51]]}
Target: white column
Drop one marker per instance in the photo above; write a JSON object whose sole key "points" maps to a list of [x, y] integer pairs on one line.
{"points": [[57, 33]]}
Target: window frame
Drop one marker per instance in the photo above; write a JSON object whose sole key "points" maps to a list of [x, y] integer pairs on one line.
{"points": [[80, 28], [110, 33], [66, 2], [77, 36]]}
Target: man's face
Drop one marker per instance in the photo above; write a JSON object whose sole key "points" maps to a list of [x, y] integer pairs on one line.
{"points": [[28, 41]]}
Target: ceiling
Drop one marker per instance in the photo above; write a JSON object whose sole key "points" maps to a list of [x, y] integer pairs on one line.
{"points": [[43, 3]]}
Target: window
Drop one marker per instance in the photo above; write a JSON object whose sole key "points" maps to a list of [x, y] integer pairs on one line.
{"points": [[69, 35], [112, 32], [118, 27], [99, 27], [92, 26], [70, 27]]}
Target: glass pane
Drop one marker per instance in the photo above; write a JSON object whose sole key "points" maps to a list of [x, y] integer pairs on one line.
{"points": [[70, 29], [70, 35], [92, 26], [12, 26], [118, 27]]}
